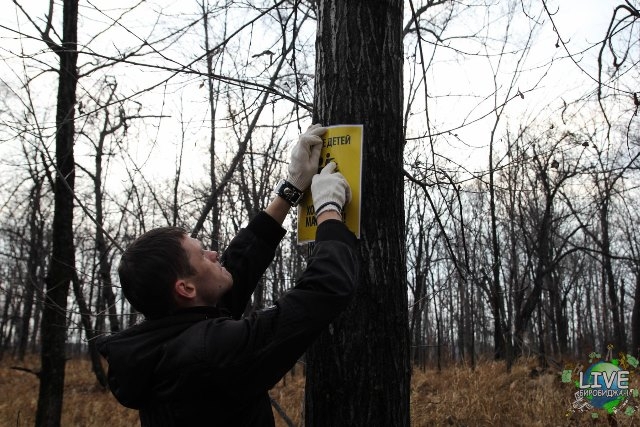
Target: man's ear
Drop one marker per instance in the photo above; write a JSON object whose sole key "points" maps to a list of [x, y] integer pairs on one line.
{"points": [[184, 289]]}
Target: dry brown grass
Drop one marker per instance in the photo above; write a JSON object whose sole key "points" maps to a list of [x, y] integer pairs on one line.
{"points": [[456, 396], [85, 403]]}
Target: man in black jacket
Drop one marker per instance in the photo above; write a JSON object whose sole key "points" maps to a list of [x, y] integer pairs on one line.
{"points": [[195, 361]]}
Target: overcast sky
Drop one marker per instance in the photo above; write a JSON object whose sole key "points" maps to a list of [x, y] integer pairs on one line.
{"points": [[580, 22]]}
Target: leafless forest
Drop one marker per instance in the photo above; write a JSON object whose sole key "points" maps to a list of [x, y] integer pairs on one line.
{"points": [[518, 157]]}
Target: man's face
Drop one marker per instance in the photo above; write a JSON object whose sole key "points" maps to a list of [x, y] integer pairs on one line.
{"points": [[211, 279]]}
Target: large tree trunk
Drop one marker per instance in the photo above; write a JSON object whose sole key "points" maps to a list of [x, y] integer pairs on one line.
{"points": [[358, 371], [54, 319]]}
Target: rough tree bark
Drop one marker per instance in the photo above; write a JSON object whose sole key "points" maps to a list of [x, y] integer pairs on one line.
{"points": [[358, 372], [54, 316]]}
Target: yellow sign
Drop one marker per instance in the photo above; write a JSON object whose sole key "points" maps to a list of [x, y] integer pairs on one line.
{"points": [[341, 144]]}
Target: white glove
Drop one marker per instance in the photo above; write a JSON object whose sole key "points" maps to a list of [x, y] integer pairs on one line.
{"points": [[305, 156], [330, 190]]}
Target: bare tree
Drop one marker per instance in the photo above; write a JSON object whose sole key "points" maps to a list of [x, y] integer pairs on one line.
{"points": [[35, 264], [633, 242], [358, 373], [62, 254], [607, 177]]}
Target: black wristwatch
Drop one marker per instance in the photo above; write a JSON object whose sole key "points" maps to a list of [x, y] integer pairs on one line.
{"points": [[289, 192]]}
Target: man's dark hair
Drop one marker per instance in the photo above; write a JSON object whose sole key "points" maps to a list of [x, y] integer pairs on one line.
{"points": [[150, 267]]}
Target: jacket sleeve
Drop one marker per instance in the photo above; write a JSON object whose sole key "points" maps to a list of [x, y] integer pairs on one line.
{"points": [[247, 257], [255, 352]]}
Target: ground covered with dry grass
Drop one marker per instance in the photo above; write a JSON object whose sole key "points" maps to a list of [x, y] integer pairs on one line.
{"points": [[455, 396]]}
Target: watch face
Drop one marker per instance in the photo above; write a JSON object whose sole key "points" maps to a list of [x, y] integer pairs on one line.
{"points": [[288, 192]]}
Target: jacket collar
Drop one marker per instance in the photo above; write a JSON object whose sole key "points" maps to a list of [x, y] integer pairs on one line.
{"points": [[209, 312]]}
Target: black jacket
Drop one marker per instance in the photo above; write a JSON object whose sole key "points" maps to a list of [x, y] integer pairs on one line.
{"points": [[207, 366]]}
